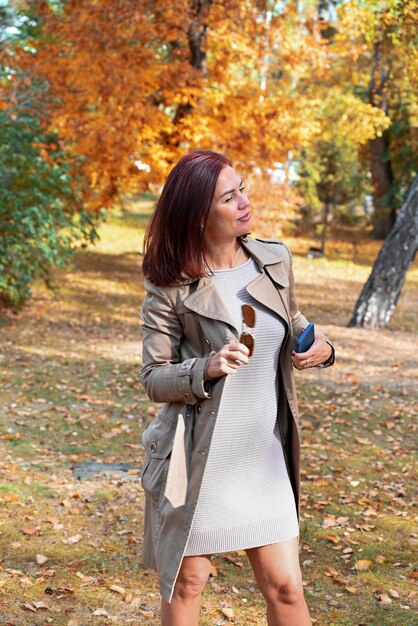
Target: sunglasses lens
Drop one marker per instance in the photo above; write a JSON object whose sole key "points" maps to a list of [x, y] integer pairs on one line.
{"points": [[248, 315], [248, 341]]}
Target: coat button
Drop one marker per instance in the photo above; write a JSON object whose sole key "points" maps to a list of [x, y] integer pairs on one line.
{"points": [[198, 408], [187, 396], [153, 447]]}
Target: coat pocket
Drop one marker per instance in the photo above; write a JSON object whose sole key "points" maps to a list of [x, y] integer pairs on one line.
{"points": [[158, 441]]}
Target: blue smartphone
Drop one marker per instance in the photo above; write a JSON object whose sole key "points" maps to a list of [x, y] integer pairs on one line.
{"points": [[306, 339]]}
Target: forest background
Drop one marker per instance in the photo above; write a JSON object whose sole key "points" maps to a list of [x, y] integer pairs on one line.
{"points": [[314, 102], [316, 105]]}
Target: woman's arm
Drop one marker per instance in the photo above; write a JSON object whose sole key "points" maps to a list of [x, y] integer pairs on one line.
{"points": [[164, 377], [321, 353]]}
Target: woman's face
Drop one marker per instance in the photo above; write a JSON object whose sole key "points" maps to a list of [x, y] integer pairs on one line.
{"points": [[229, 215]]}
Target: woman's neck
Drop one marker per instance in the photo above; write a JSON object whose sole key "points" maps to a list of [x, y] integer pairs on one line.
{"points": [[224, 256]]}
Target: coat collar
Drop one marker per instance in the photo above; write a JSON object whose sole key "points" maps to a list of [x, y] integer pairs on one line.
{"points": [[206, 300]]}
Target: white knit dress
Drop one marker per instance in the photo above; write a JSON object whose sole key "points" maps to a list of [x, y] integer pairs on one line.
{"points": [[246, 499]]}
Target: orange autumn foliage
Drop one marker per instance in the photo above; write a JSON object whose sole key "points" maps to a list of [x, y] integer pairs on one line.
{"points": [[123, 91]]}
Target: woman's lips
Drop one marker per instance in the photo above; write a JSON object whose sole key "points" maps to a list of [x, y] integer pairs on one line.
{"points": [[245, 218]]}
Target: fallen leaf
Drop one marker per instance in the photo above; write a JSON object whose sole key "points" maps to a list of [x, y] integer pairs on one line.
{"points": [[29, 607], [117, 589], [138, 603], [229, 614], [393, 593], [332, 538], [380, 558], [41, 559], [29, 530], [384, 599], [363, 441], [101, 612], [41, 605], [330, 571], [362, 565], [73, 539]]}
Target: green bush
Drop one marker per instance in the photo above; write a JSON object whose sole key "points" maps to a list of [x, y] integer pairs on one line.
{"points": [[42, 218]]}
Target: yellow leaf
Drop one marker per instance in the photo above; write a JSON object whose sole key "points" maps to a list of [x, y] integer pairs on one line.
{"points": [[362, 565]]}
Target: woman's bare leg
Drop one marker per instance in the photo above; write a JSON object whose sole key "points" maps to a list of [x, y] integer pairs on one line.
{"points": [[184, 607], [277, 572]]}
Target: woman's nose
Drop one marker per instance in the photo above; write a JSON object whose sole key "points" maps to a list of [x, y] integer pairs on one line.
{"points": [[243, 199]]}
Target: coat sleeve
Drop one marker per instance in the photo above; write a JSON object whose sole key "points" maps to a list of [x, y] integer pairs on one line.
{"points": [[299, 321], [164, 377]]}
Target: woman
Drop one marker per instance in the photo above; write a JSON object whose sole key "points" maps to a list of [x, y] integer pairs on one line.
{"points": [[222, 464]]}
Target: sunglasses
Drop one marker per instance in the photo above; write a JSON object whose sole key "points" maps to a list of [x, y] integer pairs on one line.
{"points": [[248, 320]]}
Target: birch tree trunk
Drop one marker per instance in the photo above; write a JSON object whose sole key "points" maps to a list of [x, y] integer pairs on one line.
{"points": [[379, 296]]}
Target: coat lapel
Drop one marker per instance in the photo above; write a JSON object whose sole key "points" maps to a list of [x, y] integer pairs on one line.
{"points": [[207, 301], [263, 290], [266, 288]]}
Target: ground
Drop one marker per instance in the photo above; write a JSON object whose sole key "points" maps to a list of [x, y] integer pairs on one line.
{"points": [[69, 365]]}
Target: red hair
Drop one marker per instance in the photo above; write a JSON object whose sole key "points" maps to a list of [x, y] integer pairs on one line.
{"points": [[174, 238]]}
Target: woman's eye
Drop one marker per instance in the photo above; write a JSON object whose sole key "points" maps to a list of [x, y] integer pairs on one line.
{"points": [[229, 199], [242, 189]]}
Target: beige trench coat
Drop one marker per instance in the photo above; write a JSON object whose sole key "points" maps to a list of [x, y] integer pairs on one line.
{"points": [[181, 325]]}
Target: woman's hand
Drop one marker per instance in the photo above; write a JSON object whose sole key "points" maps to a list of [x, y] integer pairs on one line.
{"points": [[319, 352], [227, 360]]}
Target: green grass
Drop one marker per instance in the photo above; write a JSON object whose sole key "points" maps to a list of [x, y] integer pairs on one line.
{"points": [[70, 392]]}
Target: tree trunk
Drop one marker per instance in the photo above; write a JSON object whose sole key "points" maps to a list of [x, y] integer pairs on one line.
{"points": [[382, 178], [381, 166], [379, 296], [327, 212]]}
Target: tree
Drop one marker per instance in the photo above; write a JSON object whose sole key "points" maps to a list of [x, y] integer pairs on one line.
{"points": [[133, 85], [379, 296], [331, 178], [376, 56], [41, 216]]}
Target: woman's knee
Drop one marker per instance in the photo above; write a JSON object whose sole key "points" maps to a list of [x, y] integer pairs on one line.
{"points": [[190, 586], [192, 578], [288, 591]]}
